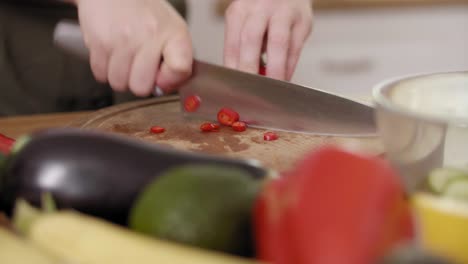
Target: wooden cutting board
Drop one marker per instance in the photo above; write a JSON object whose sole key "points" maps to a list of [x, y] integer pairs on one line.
{"points": [[135, 119]]}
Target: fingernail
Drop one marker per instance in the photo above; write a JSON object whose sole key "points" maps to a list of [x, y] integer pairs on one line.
{"points": [[158, 91], [263, 58]]}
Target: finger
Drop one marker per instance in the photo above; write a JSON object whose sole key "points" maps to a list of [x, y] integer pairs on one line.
{"points": [[119, 68], [177, 64], [279, 35], [99, 58], [235, 19], [251, 43], [144, 69], [300, 33]]}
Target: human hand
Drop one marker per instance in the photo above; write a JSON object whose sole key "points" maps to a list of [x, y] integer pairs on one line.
{"points": [[136, 44], [278, 26]]}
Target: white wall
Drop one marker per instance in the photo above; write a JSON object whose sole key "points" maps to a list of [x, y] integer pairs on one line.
{"points": [[351, 50]]}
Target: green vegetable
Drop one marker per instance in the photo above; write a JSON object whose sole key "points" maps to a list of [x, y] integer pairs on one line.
{"points": [[199, 205], [412, 254], [440, 178], [457, 189]]}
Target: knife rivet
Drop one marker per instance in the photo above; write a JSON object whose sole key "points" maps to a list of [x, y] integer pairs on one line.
{"points": [[158, 91]]}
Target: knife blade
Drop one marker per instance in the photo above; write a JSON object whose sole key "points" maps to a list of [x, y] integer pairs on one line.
{"points": [[261, 102]]}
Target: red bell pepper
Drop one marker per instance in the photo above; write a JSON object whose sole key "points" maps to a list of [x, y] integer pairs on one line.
{"points": [[6, 144], [335, 207]]}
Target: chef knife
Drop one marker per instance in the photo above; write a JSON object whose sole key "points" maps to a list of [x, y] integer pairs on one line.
{"points": [[260, 101]]}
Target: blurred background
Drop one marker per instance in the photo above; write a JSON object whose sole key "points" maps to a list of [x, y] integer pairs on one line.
{"points": [[357, 43]]}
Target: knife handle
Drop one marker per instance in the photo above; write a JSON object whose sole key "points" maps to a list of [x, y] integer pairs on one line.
{"points": [[68, 37]]}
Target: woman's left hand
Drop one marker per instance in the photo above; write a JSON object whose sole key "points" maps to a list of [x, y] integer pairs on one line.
{"points": [[279, 27]]}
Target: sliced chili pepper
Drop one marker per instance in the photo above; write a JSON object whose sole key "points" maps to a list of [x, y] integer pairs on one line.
{"points": [[215, 126], [209, 127], [192, 103], [262, 70], [6, 144], [227, 116], [157, 129], [270, 136], [239, 126]]}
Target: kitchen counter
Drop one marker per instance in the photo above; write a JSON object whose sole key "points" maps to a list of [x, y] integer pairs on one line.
{"points": [[20, 125]]}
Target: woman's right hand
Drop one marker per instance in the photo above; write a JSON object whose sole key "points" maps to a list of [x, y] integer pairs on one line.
{"points": [[136, 44]]}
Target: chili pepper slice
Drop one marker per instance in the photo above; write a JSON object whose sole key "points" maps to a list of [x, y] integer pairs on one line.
{"points": [[227, 116], [6, 144], [215, 126], [239, 126], [262, 70], [192, 103], [270, 136], [157, 129], [209, 127]]}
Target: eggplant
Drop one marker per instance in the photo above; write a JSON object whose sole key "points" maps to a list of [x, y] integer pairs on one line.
{"points": [[93, 172]]}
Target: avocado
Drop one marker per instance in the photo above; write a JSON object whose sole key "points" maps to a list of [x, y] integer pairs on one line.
{"points": [[206, 206]]}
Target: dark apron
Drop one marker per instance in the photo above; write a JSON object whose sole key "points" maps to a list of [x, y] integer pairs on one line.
{"points": [[35, 76]]}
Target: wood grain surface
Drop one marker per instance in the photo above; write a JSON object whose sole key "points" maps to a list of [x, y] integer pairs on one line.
{"points": [[17, 126], [135, 119]]}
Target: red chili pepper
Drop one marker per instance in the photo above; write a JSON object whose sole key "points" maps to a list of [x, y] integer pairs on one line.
{"points": [[227, 116], [192, 103], [6, 143], [239, 126], [262, 67], [270, 136], [262, 70], [209, 127], [334, 207], [215, 126], [157, 129]]}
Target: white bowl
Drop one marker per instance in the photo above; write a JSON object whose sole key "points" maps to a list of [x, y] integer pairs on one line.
{"points": [[423, 123]]}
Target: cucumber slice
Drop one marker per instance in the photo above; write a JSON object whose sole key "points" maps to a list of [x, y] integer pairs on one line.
{"points": [[457, 189], [439, 178], [412, 254]]}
